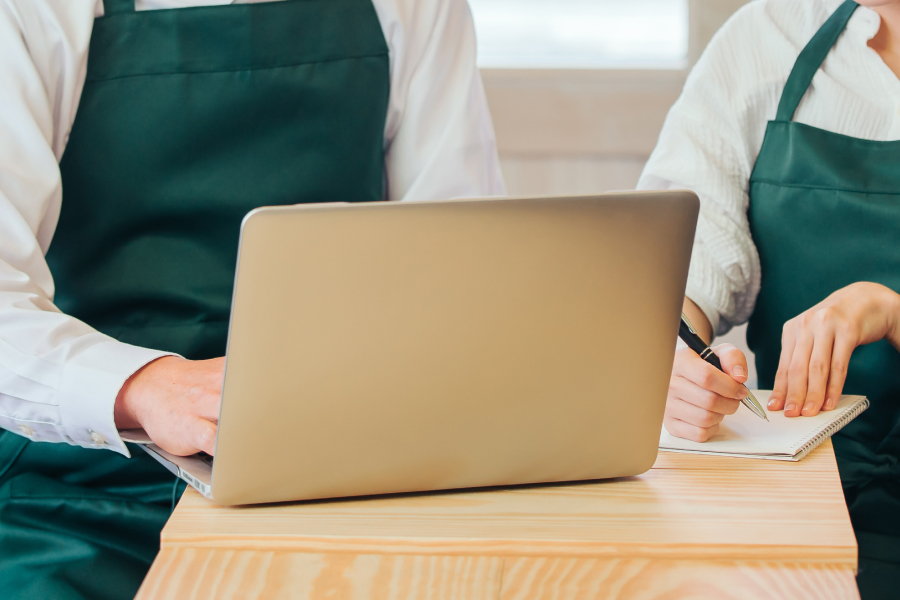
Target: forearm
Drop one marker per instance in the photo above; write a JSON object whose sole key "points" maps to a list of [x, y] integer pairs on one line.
{"points": [[698, 319], [127, 412], [58, 377], [892, 309]]}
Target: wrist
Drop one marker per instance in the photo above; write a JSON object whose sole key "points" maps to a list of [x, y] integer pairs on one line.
{"points": [[127, 413], [892, 311], [123, 413]]}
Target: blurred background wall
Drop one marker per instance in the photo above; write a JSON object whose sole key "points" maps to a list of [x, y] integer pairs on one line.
{"points": [[579, 89]]}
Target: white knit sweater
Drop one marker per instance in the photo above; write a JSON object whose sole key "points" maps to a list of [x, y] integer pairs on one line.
{"points": [[715, 130]]}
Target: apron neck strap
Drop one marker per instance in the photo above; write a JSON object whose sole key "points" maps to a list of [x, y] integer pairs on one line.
{"points": [[811, 59], [117, 7]]}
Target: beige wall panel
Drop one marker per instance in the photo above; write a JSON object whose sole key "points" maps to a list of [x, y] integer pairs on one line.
{"points": [[570, 113], [706, 17], [555, 176]]}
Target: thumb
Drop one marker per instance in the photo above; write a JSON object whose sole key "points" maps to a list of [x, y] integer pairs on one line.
{"points": [[734, 363]]}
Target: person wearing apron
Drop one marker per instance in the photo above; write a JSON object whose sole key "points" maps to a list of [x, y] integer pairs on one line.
{"points": [[189, 118], [824, 215]]}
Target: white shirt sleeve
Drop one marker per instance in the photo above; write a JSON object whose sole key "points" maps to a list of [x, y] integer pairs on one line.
{"points": [[439, 136], [59, 377]]}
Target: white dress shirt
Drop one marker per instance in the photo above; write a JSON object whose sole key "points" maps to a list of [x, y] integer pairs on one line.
{"points": [[713, 134], [59, 378]]}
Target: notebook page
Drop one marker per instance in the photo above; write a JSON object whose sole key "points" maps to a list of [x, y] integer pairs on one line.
{"points": [[746, 435]]}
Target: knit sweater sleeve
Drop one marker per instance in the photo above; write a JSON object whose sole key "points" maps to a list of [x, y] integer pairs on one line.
{"points": [[709, 145]]}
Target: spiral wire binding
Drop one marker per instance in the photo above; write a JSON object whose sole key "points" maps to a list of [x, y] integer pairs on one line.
{"points": [[809, 444]]}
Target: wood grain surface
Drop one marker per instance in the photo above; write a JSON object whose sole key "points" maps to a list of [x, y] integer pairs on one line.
{"points": [[211, 574], [692, 527], [633, 579]]}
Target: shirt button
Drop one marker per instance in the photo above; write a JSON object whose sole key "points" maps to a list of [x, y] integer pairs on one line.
{"points": [[26, 430], [98, 438]]}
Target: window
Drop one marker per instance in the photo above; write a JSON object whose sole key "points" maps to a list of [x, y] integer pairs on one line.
{"points": [[581, 34]]}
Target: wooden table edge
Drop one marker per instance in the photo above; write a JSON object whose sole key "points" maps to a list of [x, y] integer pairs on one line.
{"points": [[835, 555]]}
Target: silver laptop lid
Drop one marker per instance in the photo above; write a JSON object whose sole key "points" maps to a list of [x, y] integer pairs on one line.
{"points": [[399, 347]]}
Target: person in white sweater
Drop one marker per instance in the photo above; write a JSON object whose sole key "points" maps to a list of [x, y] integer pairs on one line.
{"points": [[788, 130]]}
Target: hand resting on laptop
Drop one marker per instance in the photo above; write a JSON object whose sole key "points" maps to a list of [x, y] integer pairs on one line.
{"points": [[176, 401]]}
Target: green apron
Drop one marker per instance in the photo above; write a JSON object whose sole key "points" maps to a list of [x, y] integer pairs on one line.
{"points": [[189, 118], [825, 213]]}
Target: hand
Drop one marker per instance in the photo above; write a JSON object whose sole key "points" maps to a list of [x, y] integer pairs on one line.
{"points": [[816, 346], [176, 401], [700, 395]]}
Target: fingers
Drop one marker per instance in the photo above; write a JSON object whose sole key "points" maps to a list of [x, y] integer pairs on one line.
{"points": [[694, 409], [208, 408], [812, 369], [815, 356], [779, 391], [200, 383], [179, 403], [688, 391], [840, 362], [819, 368], [798, 372], [692, 414], [693, 368], [687, 431], [203, 436], [734, 362]]}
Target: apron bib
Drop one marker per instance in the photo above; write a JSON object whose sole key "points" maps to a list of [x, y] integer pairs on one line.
{"points": [[825, 213], [189, 119]]}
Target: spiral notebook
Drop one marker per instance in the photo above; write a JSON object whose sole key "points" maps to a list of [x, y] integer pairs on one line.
{"points": [[744, 435]]}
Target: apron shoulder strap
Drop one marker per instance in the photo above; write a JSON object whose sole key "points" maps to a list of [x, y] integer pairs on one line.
{"points": [[117, 7], [811, 59]]}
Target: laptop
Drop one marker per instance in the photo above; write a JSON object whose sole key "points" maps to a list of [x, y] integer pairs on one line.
{"points": [[420, 346]]}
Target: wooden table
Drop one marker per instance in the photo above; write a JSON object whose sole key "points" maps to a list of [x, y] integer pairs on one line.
{"points": [[693, 527]]}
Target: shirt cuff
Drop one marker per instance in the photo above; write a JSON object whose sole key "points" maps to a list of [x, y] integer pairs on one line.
{"points": [[91, 381]]}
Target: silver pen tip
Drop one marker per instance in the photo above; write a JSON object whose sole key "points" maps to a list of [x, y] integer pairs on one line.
{"points": [[758, 407]]}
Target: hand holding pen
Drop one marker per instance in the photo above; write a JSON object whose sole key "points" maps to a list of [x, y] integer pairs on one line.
{"points": [[689, 336], [701, 393]]}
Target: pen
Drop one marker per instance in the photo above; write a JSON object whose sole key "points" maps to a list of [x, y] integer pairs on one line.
{"points": [[689, 336]]}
